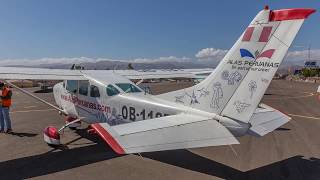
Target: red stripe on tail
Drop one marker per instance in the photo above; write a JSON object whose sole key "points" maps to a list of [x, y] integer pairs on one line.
{"points": [[247, 35], [266, 31]]}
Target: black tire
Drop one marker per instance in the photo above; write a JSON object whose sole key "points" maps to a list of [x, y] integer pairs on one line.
{"points": [[73, 128], [53, 145]]}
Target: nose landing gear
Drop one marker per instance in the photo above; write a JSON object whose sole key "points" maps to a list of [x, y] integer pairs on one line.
{"points": [[72, 126], [51, 135]]}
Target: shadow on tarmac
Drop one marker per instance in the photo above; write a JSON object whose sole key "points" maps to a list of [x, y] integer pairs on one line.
{"points": [[47, 163], [283, 129], [62, 159], [21, 134], [57, 159], [44, 91], [295, 167]]}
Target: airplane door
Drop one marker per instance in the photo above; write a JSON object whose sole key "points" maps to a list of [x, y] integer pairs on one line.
{"points": [[89, 103], [84, 100], [70, 95]]}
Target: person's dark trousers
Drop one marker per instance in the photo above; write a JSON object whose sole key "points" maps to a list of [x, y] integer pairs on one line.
{"points": [[6, 118], [1, 120]]}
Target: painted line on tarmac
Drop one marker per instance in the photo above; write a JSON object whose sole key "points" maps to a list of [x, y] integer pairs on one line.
{"points": [[35, 110], [308, 117], [28, 107], [296, 97]]}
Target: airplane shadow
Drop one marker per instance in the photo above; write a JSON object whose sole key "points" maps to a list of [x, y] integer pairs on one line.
{"points": [[60, 159], [295, 167], [57, 159], [22, 134], [283, 129], [44, 91], [276, 94]]}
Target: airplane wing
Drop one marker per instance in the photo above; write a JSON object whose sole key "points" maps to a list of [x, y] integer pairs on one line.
{"points": [[156, 74], [165, 133], [266, 119], [40, 74], [151, 74], [67, 74]]}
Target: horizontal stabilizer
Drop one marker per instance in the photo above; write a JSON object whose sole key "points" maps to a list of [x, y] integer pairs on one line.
{"points": [[168, 133], [265, 120]]}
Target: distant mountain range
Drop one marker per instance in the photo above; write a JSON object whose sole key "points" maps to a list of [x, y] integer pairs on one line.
{"points": [[288, 64], [205, 58], [110, 65]]}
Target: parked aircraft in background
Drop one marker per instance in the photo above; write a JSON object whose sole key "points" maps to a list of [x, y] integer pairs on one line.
{"points": [[214, 112]]}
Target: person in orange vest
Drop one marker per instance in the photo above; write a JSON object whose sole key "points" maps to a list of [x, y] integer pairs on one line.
{"points": [[6, 103]]}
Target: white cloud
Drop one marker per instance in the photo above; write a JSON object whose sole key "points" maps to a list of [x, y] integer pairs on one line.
{"points": [[205, 56], [314, 54], [211, 53], [299, 57], [163, 59]]}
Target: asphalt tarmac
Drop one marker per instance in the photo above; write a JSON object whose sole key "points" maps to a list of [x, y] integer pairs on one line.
{"points": [[290, 152]]}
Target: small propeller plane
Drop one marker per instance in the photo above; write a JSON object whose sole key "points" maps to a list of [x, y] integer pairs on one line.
{"points": [[223, 106]]}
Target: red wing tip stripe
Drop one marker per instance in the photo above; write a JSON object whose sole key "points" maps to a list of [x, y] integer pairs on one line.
{"points": [[290, 14], [108, 138]]}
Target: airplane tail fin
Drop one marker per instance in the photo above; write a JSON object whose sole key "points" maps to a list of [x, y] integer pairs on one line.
{"points": [[237, 85]]}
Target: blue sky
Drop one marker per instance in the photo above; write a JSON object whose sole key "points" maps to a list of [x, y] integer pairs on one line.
{"points": [[118, 29]]}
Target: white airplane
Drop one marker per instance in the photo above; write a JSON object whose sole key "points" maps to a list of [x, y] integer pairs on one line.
{"points": [[214, 112]]}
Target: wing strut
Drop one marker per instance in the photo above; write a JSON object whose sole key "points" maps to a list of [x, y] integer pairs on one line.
{"points": [[37, 98]]}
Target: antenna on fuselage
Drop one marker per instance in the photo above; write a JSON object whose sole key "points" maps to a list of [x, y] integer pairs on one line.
{"points": [[77, 67]]}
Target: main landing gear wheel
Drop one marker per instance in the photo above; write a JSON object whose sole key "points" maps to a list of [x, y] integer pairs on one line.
{"points": [[51, 136]]}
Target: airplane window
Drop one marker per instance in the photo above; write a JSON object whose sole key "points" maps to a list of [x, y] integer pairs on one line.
{"points": [[111, 90], [128, 88], [83, 87], [72, 86], [94, 91]]}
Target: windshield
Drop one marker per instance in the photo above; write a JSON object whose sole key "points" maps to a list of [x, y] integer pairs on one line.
{"points": [[128, 88], [111, 90]]}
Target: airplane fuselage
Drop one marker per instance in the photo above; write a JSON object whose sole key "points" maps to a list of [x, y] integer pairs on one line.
{"points": [[127, 107]]}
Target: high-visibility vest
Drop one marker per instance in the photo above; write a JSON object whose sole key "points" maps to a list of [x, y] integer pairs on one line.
{"points": [[6, 102]]}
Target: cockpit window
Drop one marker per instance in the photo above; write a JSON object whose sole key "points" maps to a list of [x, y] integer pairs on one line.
{"points": [[128, 88], [83, 87], [72, 86], [111, 90], [94, 91]]}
